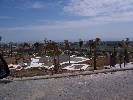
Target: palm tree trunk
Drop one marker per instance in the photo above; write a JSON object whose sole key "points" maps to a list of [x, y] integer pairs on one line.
{"points": [[120, 59], [69, 56], [90, 51], [120, 63], [11, 50], [95, 59], [124, 62], [126, 58], [58, 59]]}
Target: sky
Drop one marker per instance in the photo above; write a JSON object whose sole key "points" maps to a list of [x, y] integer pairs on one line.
{"points": [[35, 20]]}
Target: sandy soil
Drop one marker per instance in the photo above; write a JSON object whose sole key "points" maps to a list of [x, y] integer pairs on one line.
{"points": [[111, 86]]}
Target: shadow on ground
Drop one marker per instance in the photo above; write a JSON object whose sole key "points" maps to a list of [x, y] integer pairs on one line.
{"points": [[5, 81]]}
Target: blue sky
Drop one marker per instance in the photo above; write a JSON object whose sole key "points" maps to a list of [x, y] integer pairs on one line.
{"points": [[31, 20]]}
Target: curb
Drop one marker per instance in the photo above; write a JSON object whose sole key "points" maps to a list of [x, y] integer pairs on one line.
{"points": [[70, 74]]}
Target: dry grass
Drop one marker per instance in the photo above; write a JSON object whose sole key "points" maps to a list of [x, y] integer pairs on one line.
{"points": [[101, 61], [35, 72], [28, 72], [42, 71]]}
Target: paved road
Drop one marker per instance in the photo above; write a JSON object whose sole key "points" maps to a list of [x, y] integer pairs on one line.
{"points": [[111, 86]]}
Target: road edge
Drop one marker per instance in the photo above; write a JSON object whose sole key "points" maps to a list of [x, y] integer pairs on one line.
{"points": [[55, 76]]}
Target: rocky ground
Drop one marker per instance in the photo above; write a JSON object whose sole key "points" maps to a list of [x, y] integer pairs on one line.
{"points": [[111, 86]]}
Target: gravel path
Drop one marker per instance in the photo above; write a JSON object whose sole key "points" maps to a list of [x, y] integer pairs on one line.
{"points": [[111, 86]]}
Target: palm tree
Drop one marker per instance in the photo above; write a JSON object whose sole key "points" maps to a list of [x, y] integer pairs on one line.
{"points": [[11, 48], [125, 46], [80, 43], [26, 45], [26, 48], [45, 40], [112, 55], [45, 43], [120, 56], [53, 49], [36, 46], [94, 46], [90, 46], [123, 53], [58, 53], [67, 47], [120, 59]]}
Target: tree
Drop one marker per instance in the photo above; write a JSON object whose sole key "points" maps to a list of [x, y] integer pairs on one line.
{"points": [[36, 46], [67, 47], [11, 48], [125, 47], [53, 50], [45, 40], [94, 45], [90, 47], [120, 56], [80, 43], [123, 53], [114, 56], [26, 45]]}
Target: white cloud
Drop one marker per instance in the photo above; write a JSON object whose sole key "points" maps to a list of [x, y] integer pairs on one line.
{"points": [[55, 25], [72, 24], [97, 12], [71, 30], [31, 5], [37, 5], [5, 17], [105, 10]]}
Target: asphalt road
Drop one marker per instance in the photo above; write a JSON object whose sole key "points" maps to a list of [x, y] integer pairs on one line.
{"points": [[111, 86]]}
